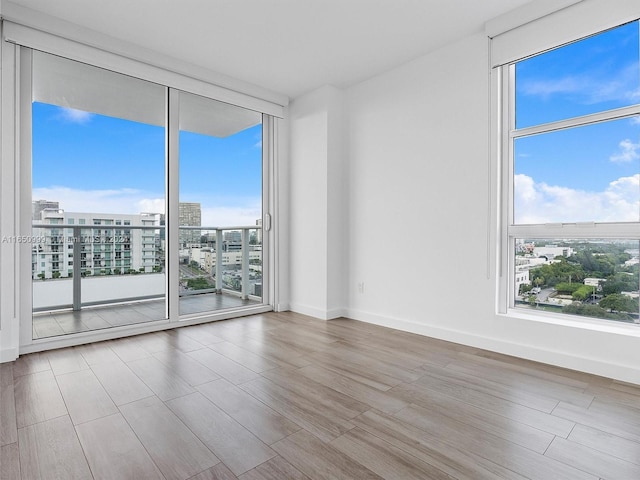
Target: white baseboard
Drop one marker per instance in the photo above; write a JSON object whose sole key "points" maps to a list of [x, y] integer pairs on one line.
{"points": [[8, 355], [282, 307], [626, 373], [318, 312]]}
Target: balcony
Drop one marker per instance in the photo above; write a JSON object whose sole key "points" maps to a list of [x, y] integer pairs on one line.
{"points": [[91, 297]]}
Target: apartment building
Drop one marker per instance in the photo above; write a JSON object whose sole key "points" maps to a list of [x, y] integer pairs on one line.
{"points": [[109, 244]]}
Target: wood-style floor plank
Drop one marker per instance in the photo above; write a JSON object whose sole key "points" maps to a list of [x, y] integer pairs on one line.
{"points": [[498, 425], [514, 457], [384, 459], [283, 396], [67, 360], [175, 449], [244, 357], [238, 448], [517, 412], [51, 450], [359, 373], [300, 409], [385, 401], [97, 353], [6, 374], [202, 334], [128, 349], [219, 472], [223, 366], [182, 342], [38, 398], [31, 363], [275, 353], [342, 352], [331, 400], [591, 460], [275, 469], [114, 452], [504, 374], [190, 370], [606, 443], [10, 462], [85, 397], [326, 463], [483, 384], [615, 425], [460, 463], [265, 423], [8, 421], [122, 385], [164, 382]]}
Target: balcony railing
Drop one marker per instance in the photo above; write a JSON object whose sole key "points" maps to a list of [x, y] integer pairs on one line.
{"points": [[97, 280]]}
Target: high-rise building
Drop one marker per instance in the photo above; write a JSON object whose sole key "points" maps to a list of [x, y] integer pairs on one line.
{"points": [[190, 216], [37, 206]]}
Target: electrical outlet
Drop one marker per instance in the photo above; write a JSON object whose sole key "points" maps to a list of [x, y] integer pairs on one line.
{"points": [[360, 287]]}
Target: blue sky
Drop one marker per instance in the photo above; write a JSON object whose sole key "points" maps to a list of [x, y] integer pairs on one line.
{"points": [[587, 173], [96, 163]]}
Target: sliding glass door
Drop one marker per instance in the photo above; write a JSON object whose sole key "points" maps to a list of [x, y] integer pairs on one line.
{"points": [[146, 201], [220, 206], [98, 198]]}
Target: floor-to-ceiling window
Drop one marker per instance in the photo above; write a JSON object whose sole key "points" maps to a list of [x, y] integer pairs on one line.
{"points": [[146, 201], [220, 205], [98, 198]]}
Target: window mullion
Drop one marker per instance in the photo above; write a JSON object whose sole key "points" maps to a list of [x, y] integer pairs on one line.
{"points": [[599, 117]]}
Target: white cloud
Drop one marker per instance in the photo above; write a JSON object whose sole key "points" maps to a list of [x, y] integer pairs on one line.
{"points": [[546, 88], [543, 203], [629, 152], [151, 205], [75, 116], [591, 87], [231, 216], [123, 200]]}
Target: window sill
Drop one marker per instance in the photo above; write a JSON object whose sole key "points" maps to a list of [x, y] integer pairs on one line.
{"points": [[583, 323]]}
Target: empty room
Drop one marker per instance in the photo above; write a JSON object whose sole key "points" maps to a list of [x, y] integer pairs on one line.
{"points": [[349, 239]]}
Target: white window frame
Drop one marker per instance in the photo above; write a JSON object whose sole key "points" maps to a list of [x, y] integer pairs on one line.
{"points": [[503, 88]]}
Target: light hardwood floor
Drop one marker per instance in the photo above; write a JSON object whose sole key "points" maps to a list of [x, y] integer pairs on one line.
{"points": [[284, 396]]}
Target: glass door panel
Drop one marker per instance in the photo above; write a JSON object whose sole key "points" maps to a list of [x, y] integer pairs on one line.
{"points": [[98, 198], [220, 206]]}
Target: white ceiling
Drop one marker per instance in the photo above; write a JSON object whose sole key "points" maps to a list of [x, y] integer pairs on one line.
{"points": [[287, 46]]}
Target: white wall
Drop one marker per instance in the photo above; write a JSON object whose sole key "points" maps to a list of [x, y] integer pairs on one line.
{"points": [[317, 204], [419, 217]]}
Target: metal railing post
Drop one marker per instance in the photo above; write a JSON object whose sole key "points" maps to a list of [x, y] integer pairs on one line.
{"points": [[77, 271], [218, 261], [245, 263]]}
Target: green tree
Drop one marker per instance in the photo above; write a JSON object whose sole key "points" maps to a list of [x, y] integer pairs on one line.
{"points": [[588, 311], [582, 293], [619, 303], [557, 272]]}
